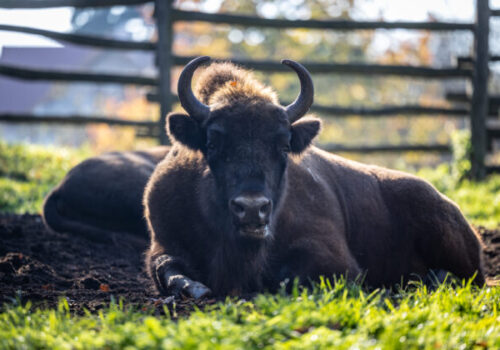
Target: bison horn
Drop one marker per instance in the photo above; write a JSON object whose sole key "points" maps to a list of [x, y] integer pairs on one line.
{"points": [[189, 102], [303, 102]]}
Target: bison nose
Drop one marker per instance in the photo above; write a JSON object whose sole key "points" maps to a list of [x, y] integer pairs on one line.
{"points": [[253, 209]]}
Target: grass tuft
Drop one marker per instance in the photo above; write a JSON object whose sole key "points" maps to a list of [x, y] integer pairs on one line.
{"points": [[342, 316]]}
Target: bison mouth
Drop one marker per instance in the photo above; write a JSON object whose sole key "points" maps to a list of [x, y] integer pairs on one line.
{"points": [[256, 232]]}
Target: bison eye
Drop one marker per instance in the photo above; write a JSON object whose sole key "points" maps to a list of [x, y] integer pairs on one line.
{"points": [[286, 149], [210, 146]]}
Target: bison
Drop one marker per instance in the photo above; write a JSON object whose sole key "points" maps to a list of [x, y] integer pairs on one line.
{"points": [[243, 201]]}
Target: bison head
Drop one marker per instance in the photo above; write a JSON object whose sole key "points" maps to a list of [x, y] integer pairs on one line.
{"points": [[246, 142]]}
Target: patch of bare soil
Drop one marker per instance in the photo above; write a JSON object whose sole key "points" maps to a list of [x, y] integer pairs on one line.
{"points": [[44, 266], [491, 239]]}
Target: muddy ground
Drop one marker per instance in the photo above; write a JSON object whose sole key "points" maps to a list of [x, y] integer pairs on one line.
{"points": [[43, 266]]}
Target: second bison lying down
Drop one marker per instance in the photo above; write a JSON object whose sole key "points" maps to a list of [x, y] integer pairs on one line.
{"points": [[243, 201]]}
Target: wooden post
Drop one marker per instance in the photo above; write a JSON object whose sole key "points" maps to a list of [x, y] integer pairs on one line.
{"points": [[479, 105], [164, 61]]}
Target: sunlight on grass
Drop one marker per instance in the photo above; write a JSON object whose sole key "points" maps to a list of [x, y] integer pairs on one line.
{"points": [[28, 173], [337, 317]]}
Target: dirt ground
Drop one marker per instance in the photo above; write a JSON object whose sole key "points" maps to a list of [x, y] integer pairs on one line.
{"points": [[43, 266]]}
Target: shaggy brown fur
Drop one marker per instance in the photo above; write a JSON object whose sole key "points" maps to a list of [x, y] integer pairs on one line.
{"points": [[330, 216], [226, 84]]}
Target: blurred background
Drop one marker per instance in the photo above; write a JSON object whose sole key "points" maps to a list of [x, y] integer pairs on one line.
{"points": [[438, 49]]}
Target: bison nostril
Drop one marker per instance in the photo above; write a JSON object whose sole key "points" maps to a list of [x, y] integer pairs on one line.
{"points": [[237, 209], [265, 208]]}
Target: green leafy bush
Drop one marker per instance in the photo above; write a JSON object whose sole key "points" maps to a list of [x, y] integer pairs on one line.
{"points": [[462, 148]]}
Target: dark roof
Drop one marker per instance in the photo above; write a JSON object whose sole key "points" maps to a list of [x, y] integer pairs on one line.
{"points": [[20, 95]]}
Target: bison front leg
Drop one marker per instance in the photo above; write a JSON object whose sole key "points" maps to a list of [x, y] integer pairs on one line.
{"points": [[170, 278]]}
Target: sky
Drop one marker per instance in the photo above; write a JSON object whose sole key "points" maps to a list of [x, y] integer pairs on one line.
{"points": [[59, 19], [56, 19]]}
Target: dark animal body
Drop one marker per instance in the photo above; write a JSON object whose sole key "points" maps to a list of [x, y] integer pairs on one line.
{"points": [[102, 195], [242, 200]]}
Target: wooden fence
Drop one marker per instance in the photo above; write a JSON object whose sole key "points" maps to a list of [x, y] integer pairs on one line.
{"points": [[474, 68]]}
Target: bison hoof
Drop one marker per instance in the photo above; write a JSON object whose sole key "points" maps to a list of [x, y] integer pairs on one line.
{"points": [[197, 290], [180, 285]]}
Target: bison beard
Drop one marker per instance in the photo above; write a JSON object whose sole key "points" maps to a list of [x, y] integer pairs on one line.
{"points": [[242, 200]]}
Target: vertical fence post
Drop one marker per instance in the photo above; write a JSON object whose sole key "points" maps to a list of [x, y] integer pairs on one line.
{"points": [[479, 106], [164, 61]]}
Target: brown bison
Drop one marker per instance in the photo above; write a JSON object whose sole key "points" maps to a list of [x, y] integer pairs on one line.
{"points": [[243, 200]]}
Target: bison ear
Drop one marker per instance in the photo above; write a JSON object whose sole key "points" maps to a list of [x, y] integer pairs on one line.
{"points": [[303, 132], [185, 130]]}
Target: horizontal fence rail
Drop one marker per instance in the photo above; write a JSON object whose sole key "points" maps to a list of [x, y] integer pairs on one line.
{"points": [[254, 21], [315, 68], [437, 148], [383, 111], [75, 119], [154, 129], [38, 4], [345, 68], [493, 169], [467, 60], [41, 74], [457, 96], [493, 102], [244, 20], [79, 39]]}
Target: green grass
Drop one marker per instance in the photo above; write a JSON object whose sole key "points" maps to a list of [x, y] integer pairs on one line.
{"points": [[339, 317], [28, 172]]}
